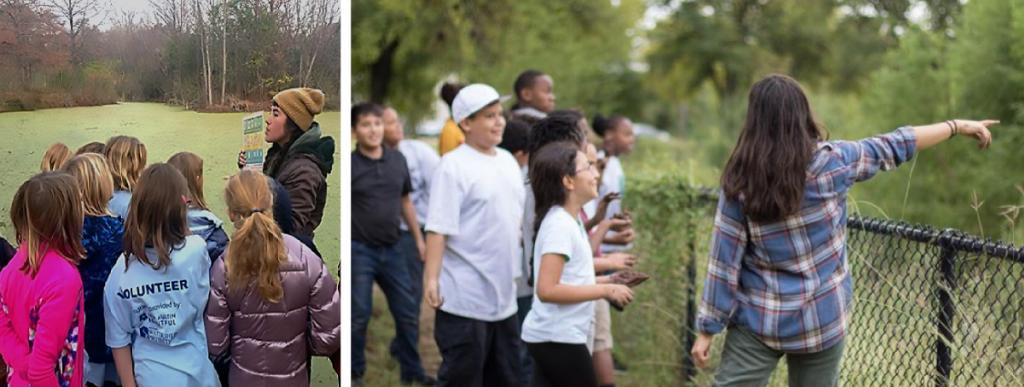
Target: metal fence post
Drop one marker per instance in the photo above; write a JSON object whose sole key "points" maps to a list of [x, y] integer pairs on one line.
{"points": [[943, 361]]}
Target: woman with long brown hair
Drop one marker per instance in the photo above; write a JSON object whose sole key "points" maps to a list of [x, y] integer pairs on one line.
{"points": [[777, 277], [272, 300]]}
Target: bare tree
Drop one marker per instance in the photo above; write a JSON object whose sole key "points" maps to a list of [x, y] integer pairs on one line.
{"points": [[204, 47], [172, 14], [313, 22], [126, 20], [223, 49], [77, 14]]}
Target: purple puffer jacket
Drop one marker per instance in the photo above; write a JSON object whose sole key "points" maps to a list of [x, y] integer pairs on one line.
{"points": [[268, 343]]}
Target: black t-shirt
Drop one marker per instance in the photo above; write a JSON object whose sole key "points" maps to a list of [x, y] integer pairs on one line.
{"points": [[377, 190]]}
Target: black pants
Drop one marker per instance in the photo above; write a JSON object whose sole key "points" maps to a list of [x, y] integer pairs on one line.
{"points": [[558, 364], [477, 353]]}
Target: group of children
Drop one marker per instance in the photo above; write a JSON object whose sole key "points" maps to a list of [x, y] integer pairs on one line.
{"points": [[515, 235], [122, 275], [522, 205]]}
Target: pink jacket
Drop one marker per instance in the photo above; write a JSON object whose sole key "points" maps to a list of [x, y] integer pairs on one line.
{"points": [[268, 342], [41, 320]]}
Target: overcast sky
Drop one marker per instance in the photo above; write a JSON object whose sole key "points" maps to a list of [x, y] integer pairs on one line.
{"points": [[138, 6], [142, 8]]}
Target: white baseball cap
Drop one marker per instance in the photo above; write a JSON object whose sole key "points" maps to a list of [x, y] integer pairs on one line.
{"points": [[472, 99]]}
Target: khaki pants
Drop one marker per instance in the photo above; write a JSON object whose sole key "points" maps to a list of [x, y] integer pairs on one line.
{"points": [[602, 326]]}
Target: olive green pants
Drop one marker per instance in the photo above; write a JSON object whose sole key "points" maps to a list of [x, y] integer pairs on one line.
{"points": [[748, 362]]}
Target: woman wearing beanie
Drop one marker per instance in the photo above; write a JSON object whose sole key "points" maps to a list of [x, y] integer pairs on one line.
{"points": [[300, 159]]}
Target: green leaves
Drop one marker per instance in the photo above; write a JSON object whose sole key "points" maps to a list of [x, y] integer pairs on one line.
{"points": [[403, 49]]}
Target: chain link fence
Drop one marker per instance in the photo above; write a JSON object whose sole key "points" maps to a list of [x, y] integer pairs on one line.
{"points": [[931, 307]]}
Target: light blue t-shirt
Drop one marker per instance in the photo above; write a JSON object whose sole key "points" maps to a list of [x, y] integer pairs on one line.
{"points": [[160, 314], [119, 203]]}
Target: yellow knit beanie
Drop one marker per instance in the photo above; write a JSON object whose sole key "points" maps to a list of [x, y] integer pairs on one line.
{"points": [[301, 104]]}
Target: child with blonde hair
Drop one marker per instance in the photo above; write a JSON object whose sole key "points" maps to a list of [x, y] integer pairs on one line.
{"points": [[55, 157], [126, 157], [272, 300], [102, 234]]}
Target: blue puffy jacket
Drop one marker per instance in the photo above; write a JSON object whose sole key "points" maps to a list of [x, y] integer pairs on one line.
{"points": [[208, 226]]}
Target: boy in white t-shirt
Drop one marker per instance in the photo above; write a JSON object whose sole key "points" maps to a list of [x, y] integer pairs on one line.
{"points": [[473, 226]]}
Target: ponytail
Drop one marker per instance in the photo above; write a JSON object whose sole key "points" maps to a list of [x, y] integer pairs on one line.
{"points": [[256, 249]]}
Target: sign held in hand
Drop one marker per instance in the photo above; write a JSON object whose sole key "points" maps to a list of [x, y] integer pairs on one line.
{"points": [[252, 141]]}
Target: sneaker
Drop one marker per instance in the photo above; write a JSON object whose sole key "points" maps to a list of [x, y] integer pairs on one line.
{"points": [[422, 380]]}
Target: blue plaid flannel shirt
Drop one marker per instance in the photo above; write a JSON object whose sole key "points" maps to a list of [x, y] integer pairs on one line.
{"points": [[788, 281]]}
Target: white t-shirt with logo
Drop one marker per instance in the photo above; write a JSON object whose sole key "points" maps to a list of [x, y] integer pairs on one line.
{"points": [[477, 203], [563, 234], [160, 314]]}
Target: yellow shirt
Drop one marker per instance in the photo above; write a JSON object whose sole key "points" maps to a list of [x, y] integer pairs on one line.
{"points": [[451, 137]]}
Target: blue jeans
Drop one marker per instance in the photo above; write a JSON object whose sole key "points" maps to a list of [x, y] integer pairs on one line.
{"points": [[407, 249], [388, 268]]}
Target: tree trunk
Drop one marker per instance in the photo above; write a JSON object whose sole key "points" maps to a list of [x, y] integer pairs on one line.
{"points": [[309, 69], [380, 72], [224, 51], [204, 48], [209, 72], [72, 34]]}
